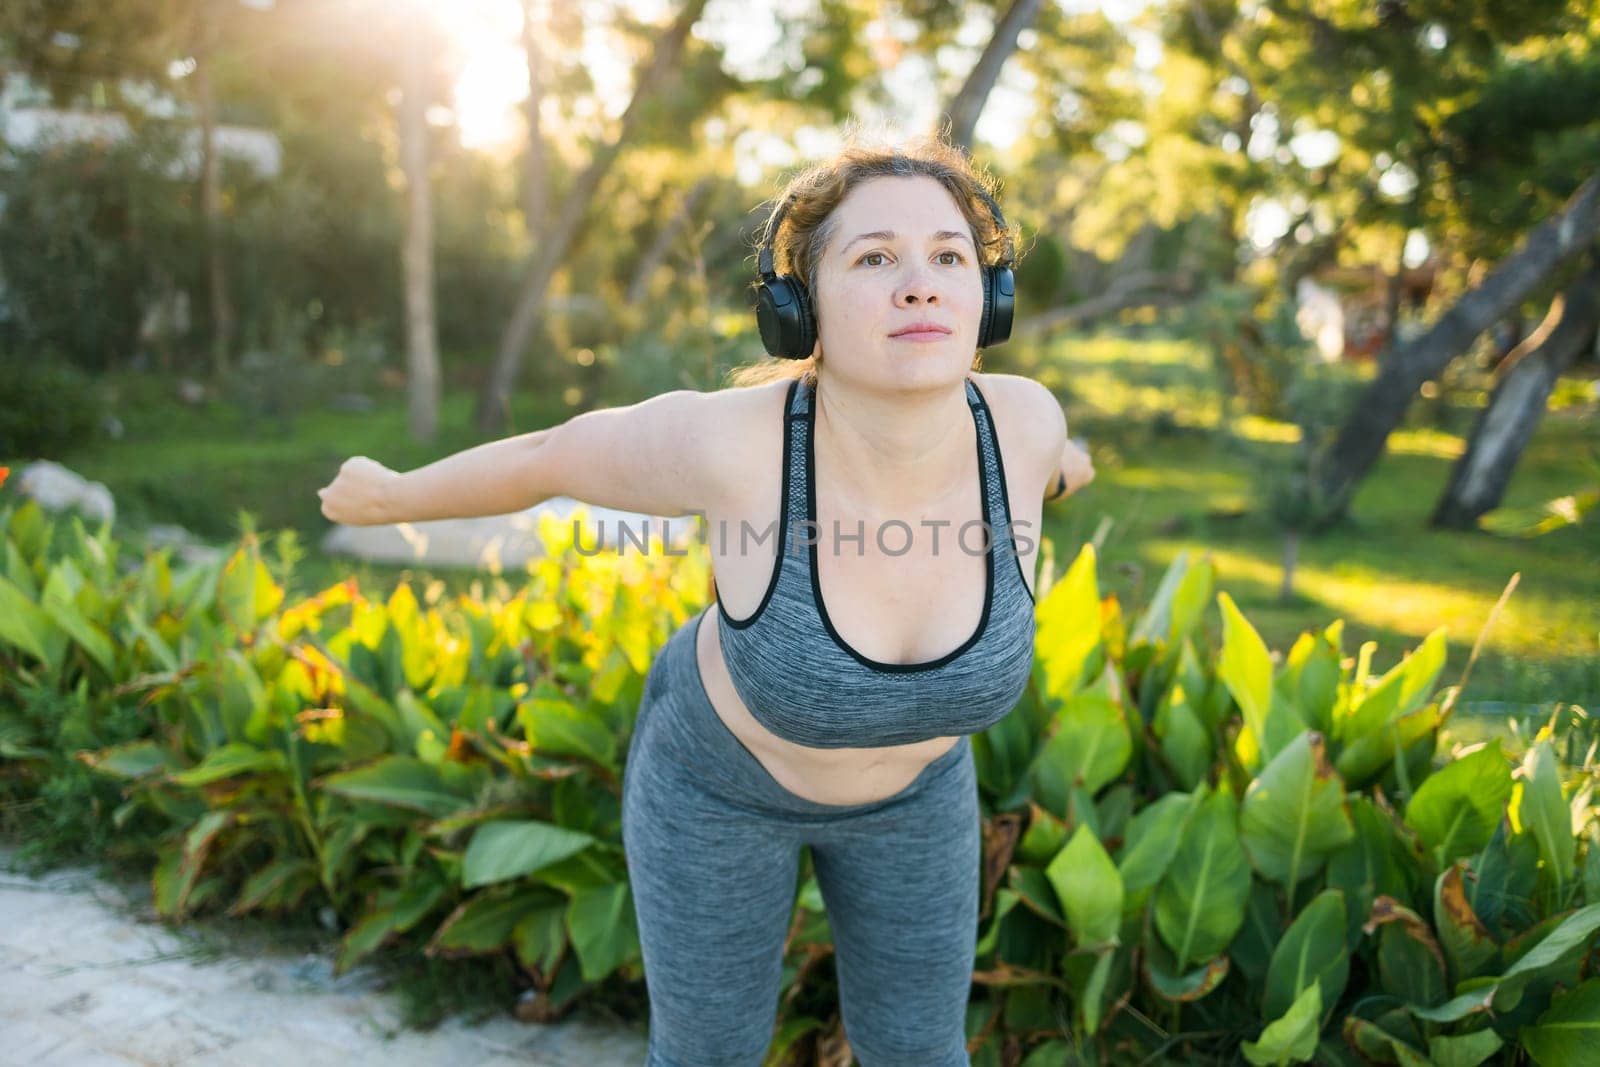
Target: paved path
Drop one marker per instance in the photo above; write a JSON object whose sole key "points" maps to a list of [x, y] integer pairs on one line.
{"points": [[86, 978]]}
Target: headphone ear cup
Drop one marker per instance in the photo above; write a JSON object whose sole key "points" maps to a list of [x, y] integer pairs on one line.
{"points": [[806, 333], [987, 321], [999, 306], [779, 315]]}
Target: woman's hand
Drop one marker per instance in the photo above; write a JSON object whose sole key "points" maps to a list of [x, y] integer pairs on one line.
{"points": [[1075, 472], [361, 493]]}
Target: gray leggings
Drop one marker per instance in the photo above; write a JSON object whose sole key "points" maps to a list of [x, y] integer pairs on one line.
{"points": [[713, 848]]}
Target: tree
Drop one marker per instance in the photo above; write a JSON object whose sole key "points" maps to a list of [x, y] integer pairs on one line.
{"points": [[422, 331], [967, 105], [1479, 478], [1383, 403], [205, 33], [494, 401]]}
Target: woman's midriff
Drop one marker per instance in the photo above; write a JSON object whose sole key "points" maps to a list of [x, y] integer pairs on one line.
{"points": [[822, 775]]}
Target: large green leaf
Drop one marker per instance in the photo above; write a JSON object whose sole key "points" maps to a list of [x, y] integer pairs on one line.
{"points": [[1542, 811], [1457, 807], [1185, 741], [1379, 1045], [1366, 867], [1200, 902], [1364, 758], [604, 929], [1574, 934], [486, 922], [1398, 693], [1311, 952], [1246, 668], [24, 625], [1152, 839], [1464, 1050], [136, 759], [1068, 625], [509, 848], [229, 760], [246, 593], [59, 602], [1178, 603], [407, 782], [555, 726], [395, 911], [1291, 1038], [1033, 888], [1252, 948], [1468, 945], [1089, 888], [1506, 874], [1568, 1033], [1165, 981], [1294, 814], [540, 937], [1311, 678], [1089, 747], [1045, 836], [1411, 964], [1569, 938]]}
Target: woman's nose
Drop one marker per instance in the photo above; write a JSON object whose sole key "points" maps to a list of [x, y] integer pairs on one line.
{"points": [[920, 288]]}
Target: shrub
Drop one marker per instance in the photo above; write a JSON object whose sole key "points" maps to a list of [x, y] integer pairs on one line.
{"points": [[1193, 851], [46, 407]]}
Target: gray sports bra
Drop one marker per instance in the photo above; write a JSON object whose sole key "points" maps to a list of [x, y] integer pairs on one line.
{"points": [[802, 681]]}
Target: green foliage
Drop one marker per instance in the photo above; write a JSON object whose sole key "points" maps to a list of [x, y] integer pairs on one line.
{"points": [[91, 238], [1539, 519], [47, 406], [1322, 878], [1285, 876]]}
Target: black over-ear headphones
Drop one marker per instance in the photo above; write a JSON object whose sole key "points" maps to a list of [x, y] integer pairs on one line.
{"points": [[789, 326]]}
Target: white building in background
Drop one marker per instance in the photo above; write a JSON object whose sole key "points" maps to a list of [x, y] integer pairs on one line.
{"points": [[1320, 318], [29, 122]]}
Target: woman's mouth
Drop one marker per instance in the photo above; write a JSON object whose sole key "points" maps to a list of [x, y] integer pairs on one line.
{"points": [[920, 335]]}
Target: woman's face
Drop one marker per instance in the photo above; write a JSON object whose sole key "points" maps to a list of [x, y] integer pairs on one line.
{"points": [[901, 254]]}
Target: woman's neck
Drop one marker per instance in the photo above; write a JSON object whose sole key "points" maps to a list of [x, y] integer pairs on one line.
{"points": [[894, 451]]}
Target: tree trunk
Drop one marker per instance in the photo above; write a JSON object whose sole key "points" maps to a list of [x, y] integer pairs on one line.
{"points": [[1480, 477], [495, 401], [1138, 289], [422, 339], [661, 244], [968, 104], [535, 182], [211, 195], [1382, 405]]}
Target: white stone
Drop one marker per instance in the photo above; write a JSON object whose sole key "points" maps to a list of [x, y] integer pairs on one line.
{"points": [[56, 488], [498, 541]]}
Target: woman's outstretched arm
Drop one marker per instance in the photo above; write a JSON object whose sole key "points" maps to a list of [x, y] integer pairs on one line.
{"points": [[652, 457], [1075, 471]]}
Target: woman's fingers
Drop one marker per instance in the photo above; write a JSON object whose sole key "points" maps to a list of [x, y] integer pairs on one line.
{"points": [[358, 494]]}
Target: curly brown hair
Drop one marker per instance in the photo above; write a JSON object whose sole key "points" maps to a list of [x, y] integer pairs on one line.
{"points": [[809, 223]]}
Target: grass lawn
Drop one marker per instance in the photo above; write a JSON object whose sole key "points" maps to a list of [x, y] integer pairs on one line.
{"points": [[1169, 479]]}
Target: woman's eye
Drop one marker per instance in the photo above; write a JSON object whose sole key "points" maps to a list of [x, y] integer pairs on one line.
{"points": [[956, 258]]}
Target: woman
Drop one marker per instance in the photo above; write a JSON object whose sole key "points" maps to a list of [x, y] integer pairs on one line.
{"points": [[852, 655]]}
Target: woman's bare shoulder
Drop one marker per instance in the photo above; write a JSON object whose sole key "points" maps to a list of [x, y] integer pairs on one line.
{"points": [[746, 426], [1029, 420]]}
